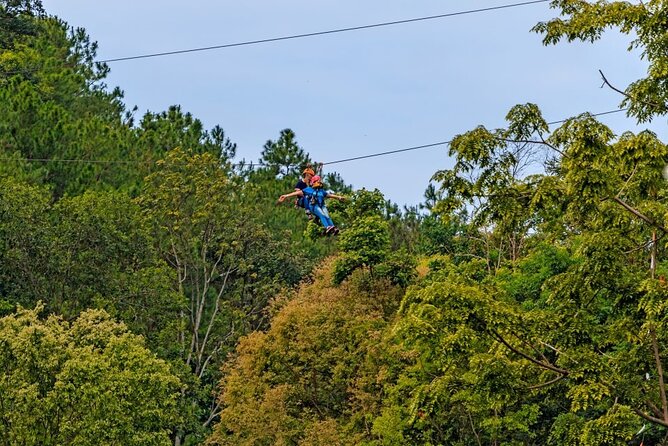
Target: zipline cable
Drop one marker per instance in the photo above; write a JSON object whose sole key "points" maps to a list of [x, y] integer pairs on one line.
{"points": [[320, 33], [299, 36], [425, 146]]}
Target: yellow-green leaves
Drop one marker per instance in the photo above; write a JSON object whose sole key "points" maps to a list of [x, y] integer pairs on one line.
{"points": [[88, 382], [313, 378]]}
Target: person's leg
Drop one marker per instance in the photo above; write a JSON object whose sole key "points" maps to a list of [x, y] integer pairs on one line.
{"points": [[323, 215], [330, 230]]}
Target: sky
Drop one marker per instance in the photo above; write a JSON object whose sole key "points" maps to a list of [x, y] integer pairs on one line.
{"points": [[360, 92]]}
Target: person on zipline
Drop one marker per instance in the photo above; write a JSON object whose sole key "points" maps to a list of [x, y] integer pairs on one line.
{"points": [[302, 184], [313, 198]]}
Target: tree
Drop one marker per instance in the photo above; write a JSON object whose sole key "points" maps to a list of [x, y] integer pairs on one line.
{"points": [[310, 379], [454, 385], [16, 19], [366, 240], [159, 133], [431, 197], [284, 157], [88, 382], [334, 181], [582, 20], [365, 243], [103, 256], [594, 328], [488, 182], [224, 264], [58, 113], [24, 241], [89, 251], [451, 236], [55, 106]]}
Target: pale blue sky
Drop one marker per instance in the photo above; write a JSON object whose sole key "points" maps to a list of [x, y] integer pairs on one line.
{"points": [[354, 93]]}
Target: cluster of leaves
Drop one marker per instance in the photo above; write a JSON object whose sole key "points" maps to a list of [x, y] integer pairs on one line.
{"points": [[646, 98], [365, 243], [311, 377], [86, 382]]}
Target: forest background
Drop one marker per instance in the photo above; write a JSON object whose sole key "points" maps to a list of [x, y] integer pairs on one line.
{"points": [[151, 292]]}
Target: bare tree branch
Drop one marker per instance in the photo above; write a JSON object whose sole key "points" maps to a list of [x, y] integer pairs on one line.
{"points": [[635, 167], [477, 437], [646, 244], [213, 414], [622, 92], [655, 409], [529, 141], [223, 288]]}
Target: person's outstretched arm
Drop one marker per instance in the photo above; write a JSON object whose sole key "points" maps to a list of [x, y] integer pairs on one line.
{"points": [[338, 197], [296, 193]]}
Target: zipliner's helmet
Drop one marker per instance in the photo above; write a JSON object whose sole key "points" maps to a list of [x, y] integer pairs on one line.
{"points": [[316, 181]]}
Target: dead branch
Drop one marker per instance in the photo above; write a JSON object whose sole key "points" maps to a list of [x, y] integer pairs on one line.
{"points": [[622, 92]]}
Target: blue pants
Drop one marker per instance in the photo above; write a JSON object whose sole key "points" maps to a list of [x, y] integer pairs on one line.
{"points": [[323, 214]]}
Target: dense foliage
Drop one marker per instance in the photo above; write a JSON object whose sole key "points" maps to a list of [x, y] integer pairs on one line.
{"points": [[88, 382], [151, 220], [152, 293]]}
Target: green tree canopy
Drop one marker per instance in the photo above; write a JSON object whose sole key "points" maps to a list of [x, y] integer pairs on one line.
{"points": [[284, 157], [16, 20], [92, 250], [310, 379], [85, 382], [225, 263]]}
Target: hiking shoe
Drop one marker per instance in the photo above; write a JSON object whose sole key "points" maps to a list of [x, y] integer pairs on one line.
{"points": [[329, 230]]}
